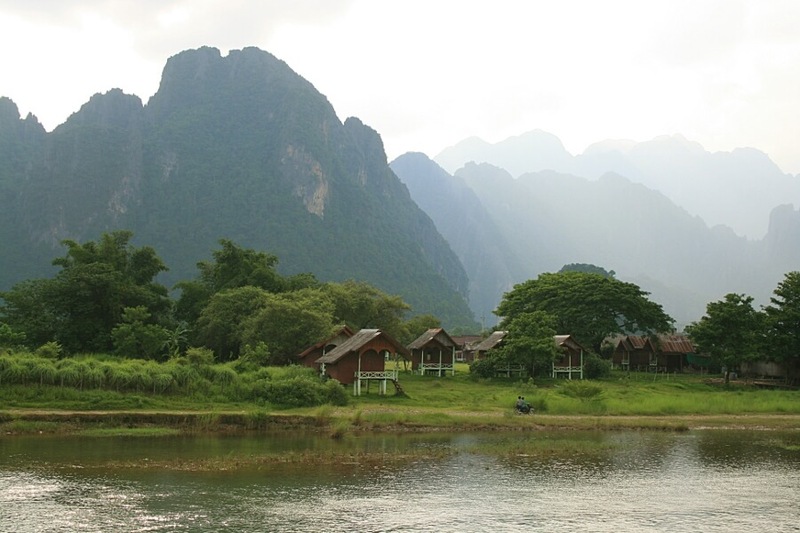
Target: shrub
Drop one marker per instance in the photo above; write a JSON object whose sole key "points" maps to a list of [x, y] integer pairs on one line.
{"points": [[582, 390], [302, 391], [482, 368], [49, 350], [594, 367]]}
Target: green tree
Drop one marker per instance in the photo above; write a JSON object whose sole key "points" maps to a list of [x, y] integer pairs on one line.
{"points": [[586, 305], [136, 337], [731, 331], [221, 323], [83, 303], [783, 321], [416, 326], [588, 268], [233, 267], [529, 341], [360, 305], [290, 322]]}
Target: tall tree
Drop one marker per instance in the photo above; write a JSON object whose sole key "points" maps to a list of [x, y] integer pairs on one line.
{"points": [[783, 321], [586, 305], [290, 322], [221, 323], [83, 303], [731, 331], [529, 341], [233, 267], [360, 305]]}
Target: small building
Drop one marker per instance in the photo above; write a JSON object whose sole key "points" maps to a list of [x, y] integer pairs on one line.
{"points": [[657, 353], [433, 352], [570, 364], [465, 347], [673, 352], [495, 340], [310, 355], [634, 352], [362, 358]]}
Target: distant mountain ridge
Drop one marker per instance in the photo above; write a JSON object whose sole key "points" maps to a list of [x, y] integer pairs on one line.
{"points": [[237, 147], [548, 219], [738, 189]]}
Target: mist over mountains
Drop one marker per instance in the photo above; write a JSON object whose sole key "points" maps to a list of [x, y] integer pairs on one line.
{"points": [[738, 189], [551, 218]]}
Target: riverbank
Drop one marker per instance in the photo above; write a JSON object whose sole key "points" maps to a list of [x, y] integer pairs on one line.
{"points": [[337, 422], [449, 403]]}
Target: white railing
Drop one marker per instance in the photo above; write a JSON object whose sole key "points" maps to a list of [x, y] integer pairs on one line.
{"points": [[435, 366], [386, 374]]}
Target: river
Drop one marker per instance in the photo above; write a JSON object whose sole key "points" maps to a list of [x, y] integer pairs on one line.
{"points": [[702, 480]]}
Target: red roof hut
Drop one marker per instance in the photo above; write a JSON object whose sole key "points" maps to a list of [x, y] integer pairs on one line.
{"points": [[361, 358], [433, 352]]}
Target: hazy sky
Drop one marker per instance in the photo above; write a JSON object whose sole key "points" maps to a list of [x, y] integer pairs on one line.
{"points": [[427, 74]]}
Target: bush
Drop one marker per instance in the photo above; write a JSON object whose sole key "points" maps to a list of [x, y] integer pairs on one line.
{"points": [[594, 367], [49, 350], [582, 390], [302, 391], [482, 368]]}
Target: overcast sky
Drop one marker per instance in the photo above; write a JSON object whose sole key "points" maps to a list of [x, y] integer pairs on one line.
{"points": [[427, 74]]}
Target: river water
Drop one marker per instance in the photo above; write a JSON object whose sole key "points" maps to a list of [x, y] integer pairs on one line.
{"points": [[698, 481]]}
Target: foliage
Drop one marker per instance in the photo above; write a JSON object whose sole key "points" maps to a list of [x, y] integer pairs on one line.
{"points": [[584, 391], [289, 322], [220, 325], [49, 350], [588, 306], [588, 268], [134, 337], [10, 338], [596, 367], [83, 303], [731, 331], [529, 341], [234, 267], [483, 368], [416, 326], [783, 320], [360, 305]]}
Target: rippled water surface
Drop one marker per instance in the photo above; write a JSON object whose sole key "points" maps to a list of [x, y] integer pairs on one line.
{"points": [[607, 481]]}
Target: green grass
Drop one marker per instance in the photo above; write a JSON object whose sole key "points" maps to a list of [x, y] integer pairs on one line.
{"points": [[450, 402]]}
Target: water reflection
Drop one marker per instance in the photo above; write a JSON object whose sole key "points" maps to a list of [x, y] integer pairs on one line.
{"points": [[555, 481]]}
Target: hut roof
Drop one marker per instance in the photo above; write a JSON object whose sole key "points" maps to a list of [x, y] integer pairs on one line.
{"points": [[567, 341], [437, 334], [491, 341], [343, 331], [358, 341]]}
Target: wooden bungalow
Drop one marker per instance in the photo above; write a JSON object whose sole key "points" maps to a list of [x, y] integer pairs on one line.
{"points": [[492, 342], [362, 358], [672, 351], [634, 352], [570, 364], [310, 355], [465, 347], [495, 340], [657, 353], [433, 352]]}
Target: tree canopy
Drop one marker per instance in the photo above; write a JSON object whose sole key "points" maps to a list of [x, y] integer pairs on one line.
{"points": [[529, 341], [783, 320], [83, 303], [731, 331], [588, 306]]}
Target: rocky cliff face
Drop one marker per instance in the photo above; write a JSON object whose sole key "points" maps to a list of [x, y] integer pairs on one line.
{"points": [[237, 147]]}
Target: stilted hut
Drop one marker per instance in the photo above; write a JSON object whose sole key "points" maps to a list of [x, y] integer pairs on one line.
{"points": [[634, 352], [571, 362], [433, 352], [310, 355], [362, 358]]}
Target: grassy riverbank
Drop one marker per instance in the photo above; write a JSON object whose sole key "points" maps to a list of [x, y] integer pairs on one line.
{"points": [[453, 403]]}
